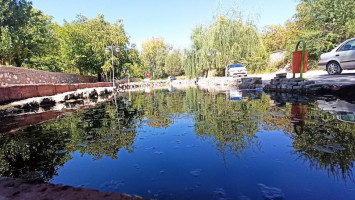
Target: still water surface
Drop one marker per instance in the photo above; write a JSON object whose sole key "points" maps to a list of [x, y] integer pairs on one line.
{"points": [[193, 145]]}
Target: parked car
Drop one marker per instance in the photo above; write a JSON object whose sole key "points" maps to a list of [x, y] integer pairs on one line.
{"points": [[171, 78], [237, 70], [339, 59], [343, 110]]}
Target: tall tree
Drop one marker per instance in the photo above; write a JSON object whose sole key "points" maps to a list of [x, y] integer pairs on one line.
{"points": [[173, 64], [23, 31], [325, 23], [154, 53], [83, 42], [227, 40]]}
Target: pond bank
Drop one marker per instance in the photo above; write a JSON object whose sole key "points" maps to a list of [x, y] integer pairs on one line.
{"points": [[17, 189], [282, 84]]}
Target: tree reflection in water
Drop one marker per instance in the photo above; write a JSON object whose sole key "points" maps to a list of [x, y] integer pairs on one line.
{"points": [[326, 143], [36, 152]]}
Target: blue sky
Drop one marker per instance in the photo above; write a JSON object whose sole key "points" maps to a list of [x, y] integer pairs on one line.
{"points": [[171, 19]]}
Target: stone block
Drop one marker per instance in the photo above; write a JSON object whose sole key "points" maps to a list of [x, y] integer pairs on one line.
{"points": [[281, 75], [310, 82], [14, 93], [247, 81], [293, 80], [61, 88], [83, 85], [4, 94], [73, 87], [302, 83], [45, 90], [92, 85], [284, 80], [289, 88], [257, 80], [28, 91]]}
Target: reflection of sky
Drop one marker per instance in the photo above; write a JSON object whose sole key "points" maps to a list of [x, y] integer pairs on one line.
{"points": [[343, 110], [175, 163]]}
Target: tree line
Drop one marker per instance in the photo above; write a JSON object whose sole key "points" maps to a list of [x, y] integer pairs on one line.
{"points": [[29, 38], [323, 24]]}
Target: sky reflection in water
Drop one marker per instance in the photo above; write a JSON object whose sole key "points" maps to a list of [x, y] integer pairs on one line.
{"points": [[191, 145]]}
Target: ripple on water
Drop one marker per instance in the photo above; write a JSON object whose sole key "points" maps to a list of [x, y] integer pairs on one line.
{"points": [[112, 185], [196, 173], [271, 193], [220, 194]]}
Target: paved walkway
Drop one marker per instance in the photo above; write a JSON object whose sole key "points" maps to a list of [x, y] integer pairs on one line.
{"points": [[346, 78]]}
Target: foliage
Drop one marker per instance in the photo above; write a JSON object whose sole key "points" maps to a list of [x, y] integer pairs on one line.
{"points": [[189, 63], [322, 23], [82, 44], [24, 32], [37, 152], [28, 38], [132, 66], [154, 53], [227, 40], [173, 63]]}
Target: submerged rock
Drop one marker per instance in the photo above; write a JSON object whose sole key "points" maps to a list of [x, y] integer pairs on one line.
{"points": [[271, 193]]}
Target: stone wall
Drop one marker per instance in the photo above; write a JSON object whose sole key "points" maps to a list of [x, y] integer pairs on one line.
{"points": [[21, 76], [19, 92]]}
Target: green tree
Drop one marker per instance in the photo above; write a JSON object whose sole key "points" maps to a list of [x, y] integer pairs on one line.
{"points": [[24, 32], [227, 40], [173, 63], [324, 24], [83, 41], [132, 66], [154, 53]]}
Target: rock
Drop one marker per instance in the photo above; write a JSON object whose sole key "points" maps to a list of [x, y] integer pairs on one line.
{"points": [[281, 75], [295, 80]]}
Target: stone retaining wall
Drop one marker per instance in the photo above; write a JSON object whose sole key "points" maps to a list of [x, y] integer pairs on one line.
{"points": [[18, 75], [293, 85], [281, 85], [18, 92]]}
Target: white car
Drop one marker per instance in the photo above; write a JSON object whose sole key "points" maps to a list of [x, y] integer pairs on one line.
{"points": [[339, 59], [237, 70]]}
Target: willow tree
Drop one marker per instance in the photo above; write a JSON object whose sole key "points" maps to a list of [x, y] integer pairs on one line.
{"points": [[228, 40]]}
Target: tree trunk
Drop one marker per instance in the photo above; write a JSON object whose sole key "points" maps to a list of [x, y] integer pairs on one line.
{"points": [[99, 77]]}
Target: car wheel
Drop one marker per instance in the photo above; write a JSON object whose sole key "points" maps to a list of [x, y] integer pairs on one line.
{"points": [[333, 68]]}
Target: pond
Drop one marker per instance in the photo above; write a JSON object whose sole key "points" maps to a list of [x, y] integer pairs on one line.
{"points": [[192, 144]]}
